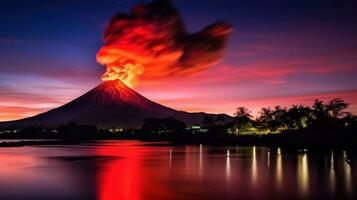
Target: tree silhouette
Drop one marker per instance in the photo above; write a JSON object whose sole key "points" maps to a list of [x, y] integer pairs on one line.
{"points": [[349, 121], [280, 118], [243, 118], [297, 117], [336, 106], [165, 125], [266, 117], [242, 112], [319, 109]]}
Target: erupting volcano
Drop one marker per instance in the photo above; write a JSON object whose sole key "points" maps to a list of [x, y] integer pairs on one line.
{"points": [[150, 41], [111, 104]]}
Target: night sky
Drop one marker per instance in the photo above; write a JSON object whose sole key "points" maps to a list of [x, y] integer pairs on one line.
{"points": [[281, 52]]}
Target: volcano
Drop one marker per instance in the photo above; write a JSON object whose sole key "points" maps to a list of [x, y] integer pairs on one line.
{"points": [[110, 104]]}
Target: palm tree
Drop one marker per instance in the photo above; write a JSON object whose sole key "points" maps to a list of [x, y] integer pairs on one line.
{"points": [[280, 117], [266, 114], [305, 115], [292, 117], [242, 113], [266, 117], [243, 118], [319, 109], [336, 106], [297, 116]]}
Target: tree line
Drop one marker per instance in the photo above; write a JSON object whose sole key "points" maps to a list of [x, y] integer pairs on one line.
{"points": [[298, 124], [320, 116]]}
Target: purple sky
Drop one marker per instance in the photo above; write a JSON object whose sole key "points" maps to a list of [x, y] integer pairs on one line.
{"points": [[279, 53]]}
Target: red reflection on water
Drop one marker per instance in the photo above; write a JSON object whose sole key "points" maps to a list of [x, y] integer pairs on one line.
{"points": [[120, 178], [140, 171], [134, 171]]}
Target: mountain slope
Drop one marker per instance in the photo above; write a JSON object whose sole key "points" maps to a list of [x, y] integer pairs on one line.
{"points": [[111, 104]]}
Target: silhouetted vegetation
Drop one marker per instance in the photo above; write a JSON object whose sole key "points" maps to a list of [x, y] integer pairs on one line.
{"points": [[163, 126], [322, 124], [73, 131]]}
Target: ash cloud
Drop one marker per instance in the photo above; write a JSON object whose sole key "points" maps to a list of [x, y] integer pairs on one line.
{"points": [[153, 35]]}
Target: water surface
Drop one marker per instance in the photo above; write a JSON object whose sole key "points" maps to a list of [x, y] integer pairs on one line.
{"points": [[142, 170]]}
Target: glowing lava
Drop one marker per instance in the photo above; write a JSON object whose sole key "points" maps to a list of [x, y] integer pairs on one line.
{"points": [[125, 71]]}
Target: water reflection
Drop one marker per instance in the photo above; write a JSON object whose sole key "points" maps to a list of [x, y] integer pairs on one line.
{"points": [[124, 172], [200, 166], [268, 158], [228, 165], [137, 170], [332, 174], [254, 166], [170, 157], [279, 169], [348, 176], [303, 174]]}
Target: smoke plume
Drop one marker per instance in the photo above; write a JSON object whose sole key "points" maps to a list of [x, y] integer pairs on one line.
{"points": [[152, 40]]}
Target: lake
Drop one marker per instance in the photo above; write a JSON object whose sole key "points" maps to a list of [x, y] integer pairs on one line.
{"points": [[109, 170]]}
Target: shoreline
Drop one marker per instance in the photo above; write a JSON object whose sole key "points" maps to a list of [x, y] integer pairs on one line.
{"points": [[288, 146]]}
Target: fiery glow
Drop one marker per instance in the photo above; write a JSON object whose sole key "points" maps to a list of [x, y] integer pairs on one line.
{"points": [[152, 38], [126, 71]]}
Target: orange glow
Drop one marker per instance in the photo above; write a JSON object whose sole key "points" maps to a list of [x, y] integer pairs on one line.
{"points": [[127, 72], [17, 112], [156, 40]]}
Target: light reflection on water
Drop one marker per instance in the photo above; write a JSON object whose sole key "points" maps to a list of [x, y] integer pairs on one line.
{"points": [[303, 174], [279, 169], [138, 170], [254, 166], [332, 174], [200, 167], [348, 175], [228, 165]]}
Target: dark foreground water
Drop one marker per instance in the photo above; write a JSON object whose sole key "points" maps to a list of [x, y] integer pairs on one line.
{"points": [[141, 170]]}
